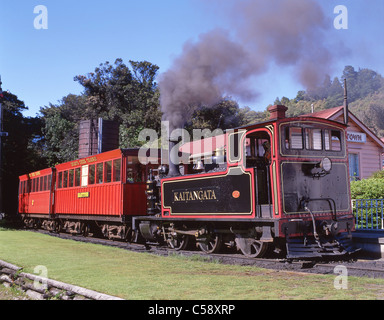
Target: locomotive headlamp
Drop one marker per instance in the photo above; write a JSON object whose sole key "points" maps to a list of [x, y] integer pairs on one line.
{"points": [[326, 164]]}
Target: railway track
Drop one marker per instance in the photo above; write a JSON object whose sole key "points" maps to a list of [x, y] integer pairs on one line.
{"points": [[354, 267]]}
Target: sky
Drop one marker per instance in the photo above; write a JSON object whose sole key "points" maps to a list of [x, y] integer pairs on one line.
{"points": [[39, 65]]}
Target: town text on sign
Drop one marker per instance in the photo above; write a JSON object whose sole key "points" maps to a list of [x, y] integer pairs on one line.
{"points": [[356, 137]]}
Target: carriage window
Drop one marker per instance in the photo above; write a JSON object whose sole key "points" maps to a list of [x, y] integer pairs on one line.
{"points": [[41, 184], [294, 138], [248, 150], [116, 170], [46, 183], [71, 174], [108, 171], [84, 176], [77, 177], [49, 182], [332, 140], [60, 181], [92, 172], [65, 179], [99, 173], [313, 139]]}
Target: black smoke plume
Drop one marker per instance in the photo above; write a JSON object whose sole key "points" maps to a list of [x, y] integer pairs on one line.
{"points": [[261, 33]]}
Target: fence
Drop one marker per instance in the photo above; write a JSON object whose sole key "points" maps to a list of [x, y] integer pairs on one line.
{"points": [[368, 214]]}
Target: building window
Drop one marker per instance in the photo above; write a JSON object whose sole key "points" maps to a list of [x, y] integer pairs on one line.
{"points": [[354, 166]]}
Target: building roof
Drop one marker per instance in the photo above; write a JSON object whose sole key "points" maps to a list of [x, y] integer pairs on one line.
{"points": [[326, 114]]}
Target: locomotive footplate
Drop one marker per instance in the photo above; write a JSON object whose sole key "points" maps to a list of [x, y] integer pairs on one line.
{"points": [[332, 238], [309, 247]]}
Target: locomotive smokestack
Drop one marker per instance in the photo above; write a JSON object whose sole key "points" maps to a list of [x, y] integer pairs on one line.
{"points": [[346, 111], [173, 154], [277, 112], [176, 123]]}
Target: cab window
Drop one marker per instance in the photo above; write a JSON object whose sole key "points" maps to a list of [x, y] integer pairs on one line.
{"points": [[294, 138], [313, 139], [332, 140]]}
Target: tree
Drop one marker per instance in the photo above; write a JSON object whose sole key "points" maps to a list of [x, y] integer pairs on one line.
{"points": [[61, 128], [129, 96], [21, 151], [113, 92]]}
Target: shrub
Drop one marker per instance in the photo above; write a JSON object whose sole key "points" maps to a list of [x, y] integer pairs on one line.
{"points": [[369, 214], [367, 189]]}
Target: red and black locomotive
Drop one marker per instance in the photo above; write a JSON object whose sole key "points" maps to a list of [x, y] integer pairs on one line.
{"points": [[281, 184]]}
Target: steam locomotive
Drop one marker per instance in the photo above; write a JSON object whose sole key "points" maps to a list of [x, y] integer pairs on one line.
{"points": [[280, 185]]}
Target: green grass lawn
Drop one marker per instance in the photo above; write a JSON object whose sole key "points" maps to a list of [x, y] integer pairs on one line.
{"points": [[132, 275]]}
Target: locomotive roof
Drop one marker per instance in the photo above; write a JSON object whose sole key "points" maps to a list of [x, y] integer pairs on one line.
{"points": [[306, 117], [196, 147]]}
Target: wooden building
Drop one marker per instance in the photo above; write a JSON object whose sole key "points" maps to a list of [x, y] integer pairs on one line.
{"points": [[365, 149]]}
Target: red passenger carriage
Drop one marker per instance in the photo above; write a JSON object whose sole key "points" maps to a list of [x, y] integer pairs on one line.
{"points": [[35, 195], [105, 189]]}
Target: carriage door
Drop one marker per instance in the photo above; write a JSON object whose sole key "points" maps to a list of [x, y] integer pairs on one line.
{"points": [[258, 157]]}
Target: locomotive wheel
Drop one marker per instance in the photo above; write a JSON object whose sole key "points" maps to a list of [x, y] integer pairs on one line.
{"points": [[178, 242], [211, 244], [252, 248]]}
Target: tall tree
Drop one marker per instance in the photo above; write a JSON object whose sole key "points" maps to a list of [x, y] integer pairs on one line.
{"points": [[21, 151], [61, 128], [127, 95]]}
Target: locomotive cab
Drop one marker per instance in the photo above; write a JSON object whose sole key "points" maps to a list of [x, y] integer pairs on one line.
{"points": [[257, 149], [315, 194]]}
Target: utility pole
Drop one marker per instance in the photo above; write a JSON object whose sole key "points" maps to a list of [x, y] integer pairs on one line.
{"points": [[2, 134], [346, 111]]}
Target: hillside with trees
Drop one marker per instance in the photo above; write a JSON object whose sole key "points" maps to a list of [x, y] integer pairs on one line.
{"points": [[365, 97]]}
